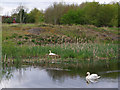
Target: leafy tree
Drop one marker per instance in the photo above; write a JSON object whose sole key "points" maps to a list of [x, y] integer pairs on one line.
{"points": [[54, 13], [114, 20], [73, 17], [35, 16], [118, 15], [20, 13], [106, 13], [91, 12]]}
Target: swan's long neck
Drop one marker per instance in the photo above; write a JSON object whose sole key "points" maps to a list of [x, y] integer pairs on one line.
{"points": [[88, 74], [50, 51]]}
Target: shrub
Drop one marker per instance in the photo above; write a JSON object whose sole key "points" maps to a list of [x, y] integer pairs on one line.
{"points": [[19, 42]]}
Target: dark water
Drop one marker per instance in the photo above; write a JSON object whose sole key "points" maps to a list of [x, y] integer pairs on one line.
{"points": [[68, 75]]}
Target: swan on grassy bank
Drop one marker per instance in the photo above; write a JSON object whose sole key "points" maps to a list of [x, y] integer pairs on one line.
{"points": [[51, 54]]}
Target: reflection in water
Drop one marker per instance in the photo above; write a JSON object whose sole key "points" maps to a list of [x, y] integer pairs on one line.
{"points": [[91, 81], [60, 75]]}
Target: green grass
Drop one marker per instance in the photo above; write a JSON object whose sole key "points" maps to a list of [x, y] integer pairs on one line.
{"points": [[75, 51], [70, 42]]}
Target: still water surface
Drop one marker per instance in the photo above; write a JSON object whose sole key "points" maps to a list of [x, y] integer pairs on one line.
{"points": [[59, 76]]}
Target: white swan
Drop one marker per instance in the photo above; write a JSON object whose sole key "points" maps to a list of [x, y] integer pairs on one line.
{"points": [[51, 53], [92, 77]]}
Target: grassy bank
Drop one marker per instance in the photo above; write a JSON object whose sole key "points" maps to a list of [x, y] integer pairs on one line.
{"points": [[75, 42], [74, 51]]}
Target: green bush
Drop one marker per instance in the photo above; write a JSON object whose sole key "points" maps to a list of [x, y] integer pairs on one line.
{"points": [[26, 38], [19, 42], [20, 36], [33, 40]]}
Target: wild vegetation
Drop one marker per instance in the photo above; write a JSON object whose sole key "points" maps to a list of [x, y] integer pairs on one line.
{"points": [[31, 41], [86, 31], [87, 13]]}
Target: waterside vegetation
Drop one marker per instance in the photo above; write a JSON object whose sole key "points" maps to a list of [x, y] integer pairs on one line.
{"points": [[29, 41]]}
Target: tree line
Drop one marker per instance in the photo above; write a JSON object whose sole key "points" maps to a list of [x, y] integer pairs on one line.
{"points": [[91, 13]]}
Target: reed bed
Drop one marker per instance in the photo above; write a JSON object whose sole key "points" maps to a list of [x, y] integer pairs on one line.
{"points": [[65, 51]]}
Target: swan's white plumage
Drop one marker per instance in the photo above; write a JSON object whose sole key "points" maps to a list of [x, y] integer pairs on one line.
{"points": [[51, 53], [91, 77]]}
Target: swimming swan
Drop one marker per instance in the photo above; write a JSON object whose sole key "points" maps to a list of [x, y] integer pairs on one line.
{"points": [[51, 53], [92, 77]]}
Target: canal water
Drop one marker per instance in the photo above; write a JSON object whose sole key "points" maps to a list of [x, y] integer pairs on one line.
{"points": [[66, 75]]}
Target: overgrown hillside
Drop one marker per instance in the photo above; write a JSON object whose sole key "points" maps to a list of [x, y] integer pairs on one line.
{"points": [[76, 41]]}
